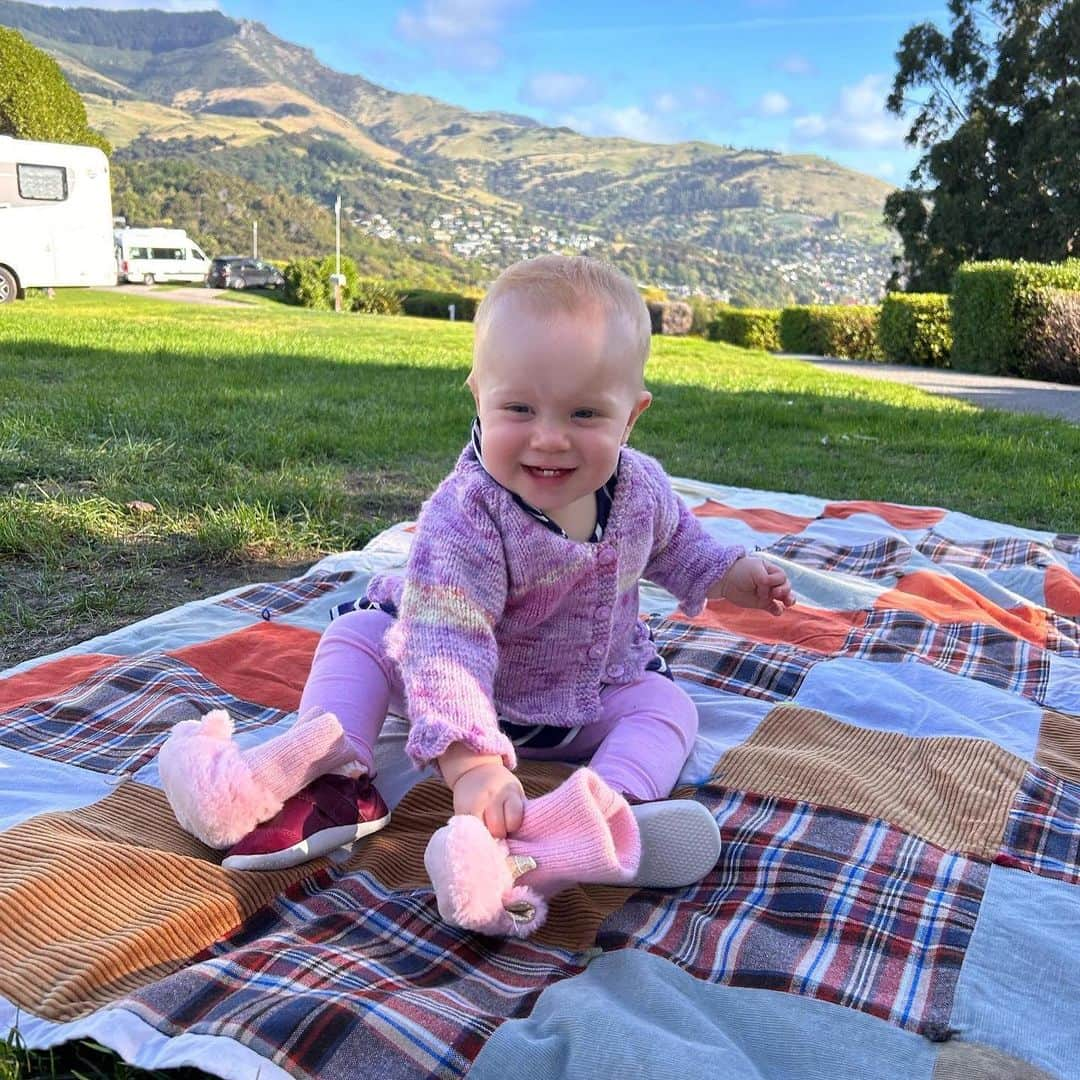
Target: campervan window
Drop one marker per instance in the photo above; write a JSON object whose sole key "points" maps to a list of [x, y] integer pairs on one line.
{"points": [[48, 182], [166, 253]]}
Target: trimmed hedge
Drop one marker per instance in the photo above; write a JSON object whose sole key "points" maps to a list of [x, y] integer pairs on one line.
{"points": [[848, 331], [996, 307], [670, 317], [1055, 338], [749, 328], [430, 304], [914, 329]]}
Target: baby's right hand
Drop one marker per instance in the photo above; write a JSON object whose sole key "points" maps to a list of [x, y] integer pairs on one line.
{"points": [[491, 792]]}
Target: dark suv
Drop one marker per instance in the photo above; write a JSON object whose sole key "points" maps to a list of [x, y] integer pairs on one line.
{"points": [[243, 272]]}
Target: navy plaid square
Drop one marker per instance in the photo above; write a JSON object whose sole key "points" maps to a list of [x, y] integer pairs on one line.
{"points": [[280, 597], [1042, 835], [992, 554], [886, 557]]}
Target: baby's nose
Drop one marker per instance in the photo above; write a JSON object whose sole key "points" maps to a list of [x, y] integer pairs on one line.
{"points": [[549, 434]]}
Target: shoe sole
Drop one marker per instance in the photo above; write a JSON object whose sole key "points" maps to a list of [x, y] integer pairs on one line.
{"points": [[680, 843], [312, 847]]}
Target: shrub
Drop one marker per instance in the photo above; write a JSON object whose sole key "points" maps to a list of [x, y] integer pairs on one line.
{"points": [[672, 317], [750, 328], [914, 329], [376, 297], [430, 304], [848, 331], [304, 284], [1055, 338], [652, 294], [996, 307], [703, 312]]}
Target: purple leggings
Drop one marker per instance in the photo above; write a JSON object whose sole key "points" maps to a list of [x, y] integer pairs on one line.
{"points": [[638, 745]]}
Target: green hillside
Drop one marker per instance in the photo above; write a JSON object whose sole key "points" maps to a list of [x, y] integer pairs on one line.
{"points": [[459, 192]]}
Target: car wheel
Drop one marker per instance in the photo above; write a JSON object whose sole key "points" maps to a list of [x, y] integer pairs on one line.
{"points": [[148, 279], [238, 283], [8, 289]]}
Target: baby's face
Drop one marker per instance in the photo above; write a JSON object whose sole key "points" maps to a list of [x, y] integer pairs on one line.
{"points": [[557, 396]]}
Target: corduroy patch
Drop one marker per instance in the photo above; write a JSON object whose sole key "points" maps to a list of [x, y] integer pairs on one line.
{"points": [[1058, 748], [953, 792]]}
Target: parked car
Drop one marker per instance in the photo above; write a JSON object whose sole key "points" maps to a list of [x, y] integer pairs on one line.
{"points": [[243, 272]]}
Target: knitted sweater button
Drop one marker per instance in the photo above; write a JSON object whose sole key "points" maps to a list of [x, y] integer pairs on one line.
{"points": [[602, 612], [615, 671], [597, 651], [606, 556]]}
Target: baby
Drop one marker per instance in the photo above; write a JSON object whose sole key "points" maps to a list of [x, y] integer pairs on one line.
{"points": [[514, 631]]}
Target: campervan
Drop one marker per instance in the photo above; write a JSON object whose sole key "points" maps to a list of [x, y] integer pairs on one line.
{"points": [[55, 217], [150, 255]]}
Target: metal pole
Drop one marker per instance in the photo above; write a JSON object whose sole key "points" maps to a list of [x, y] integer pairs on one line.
{"points": [[254, 239], [337, 253]]}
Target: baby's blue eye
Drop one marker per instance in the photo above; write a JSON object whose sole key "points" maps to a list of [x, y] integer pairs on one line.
{"points": [[585, 414], [515, 408]]}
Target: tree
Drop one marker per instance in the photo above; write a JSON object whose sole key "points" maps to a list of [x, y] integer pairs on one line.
{"points": [[36, 101], [998, 119]]}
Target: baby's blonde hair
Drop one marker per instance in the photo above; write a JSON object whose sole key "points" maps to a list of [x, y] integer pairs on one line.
{"points": [[565, 284]]}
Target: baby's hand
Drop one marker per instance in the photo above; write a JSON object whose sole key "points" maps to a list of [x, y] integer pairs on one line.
{"points": [[755, 583], [492, 793], [484, 787]]}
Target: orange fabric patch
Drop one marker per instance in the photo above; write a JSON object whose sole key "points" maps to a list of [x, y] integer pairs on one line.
{"points": [[899, 517], [267, 663], [760, 519], [47, 681], [1062, 590], [945, 600], [816, 629]]}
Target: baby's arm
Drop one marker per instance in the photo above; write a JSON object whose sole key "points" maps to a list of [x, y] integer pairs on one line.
{"points": [[751, 582], [484, 787]]}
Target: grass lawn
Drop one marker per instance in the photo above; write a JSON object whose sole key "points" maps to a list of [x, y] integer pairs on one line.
{"points": [[152, 452]]}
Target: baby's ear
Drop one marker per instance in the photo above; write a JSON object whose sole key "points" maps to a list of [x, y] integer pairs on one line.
{"points": [[644, 400]]}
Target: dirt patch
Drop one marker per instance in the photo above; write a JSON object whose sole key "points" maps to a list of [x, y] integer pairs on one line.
{"points": [[41, 613]]}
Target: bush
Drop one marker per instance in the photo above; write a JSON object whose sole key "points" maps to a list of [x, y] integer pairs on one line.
{"points": [[672, 317], [749, 328], [429, 304], [914, 329], [1055, 338], [996, 307], [703, 312], [816, 330], [304, 284], [376, 297]]}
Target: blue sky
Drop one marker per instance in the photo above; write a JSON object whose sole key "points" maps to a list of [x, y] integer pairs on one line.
{"points": [[788, 75]]}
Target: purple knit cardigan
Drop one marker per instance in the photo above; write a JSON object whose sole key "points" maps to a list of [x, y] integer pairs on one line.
{"points": [[499, 615]]}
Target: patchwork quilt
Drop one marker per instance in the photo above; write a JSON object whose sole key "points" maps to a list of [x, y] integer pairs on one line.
{"points": [[894, 766]]}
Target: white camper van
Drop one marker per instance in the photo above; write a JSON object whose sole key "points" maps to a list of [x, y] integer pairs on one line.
{"points": [[55, 217], [150, 255]]}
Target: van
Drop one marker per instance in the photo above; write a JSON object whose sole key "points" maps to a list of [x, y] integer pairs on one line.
{"points": [[55, 217], [150, 255]]}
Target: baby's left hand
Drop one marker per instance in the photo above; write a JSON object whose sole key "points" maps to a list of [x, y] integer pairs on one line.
{"points": [[754, 583]]}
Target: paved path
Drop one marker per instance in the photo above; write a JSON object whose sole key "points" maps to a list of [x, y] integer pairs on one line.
{"points": [[986, 391]]}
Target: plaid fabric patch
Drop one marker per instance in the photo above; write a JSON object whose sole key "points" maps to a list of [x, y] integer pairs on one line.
{"points": [[994, 554], [116, 719], [738, 665], [340, 977], [822, 903], [1063, 634], [280, 597], [1068, 543], [1042, 835], [974, 650], [886, 557]]}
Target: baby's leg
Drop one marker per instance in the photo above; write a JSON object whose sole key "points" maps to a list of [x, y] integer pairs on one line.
{"points": [[650, 725], [352, 677]]}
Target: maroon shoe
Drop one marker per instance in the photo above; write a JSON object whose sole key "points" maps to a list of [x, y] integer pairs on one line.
{"points": [[329, 813]]}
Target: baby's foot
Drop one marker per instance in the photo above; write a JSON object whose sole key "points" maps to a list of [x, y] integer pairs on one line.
{"points": [[680, 843]]}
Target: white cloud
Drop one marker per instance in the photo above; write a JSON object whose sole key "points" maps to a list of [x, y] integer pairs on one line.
{"points": [[796, 64], [459, 33], [857, 119], [886, 169], [551, 89], [773, 103], [630, 122], [666, 102]]}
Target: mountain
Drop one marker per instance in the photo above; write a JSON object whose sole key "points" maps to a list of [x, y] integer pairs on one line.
{"points": [[215, 119]]}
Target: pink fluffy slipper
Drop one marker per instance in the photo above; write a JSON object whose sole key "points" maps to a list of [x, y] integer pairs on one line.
{"points": [[473, 874], [219, 793]]}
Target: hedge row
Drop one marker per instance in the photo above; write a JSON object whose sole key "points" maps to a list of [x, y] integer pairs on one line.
{"points": [[849, 331], [914, 328]]}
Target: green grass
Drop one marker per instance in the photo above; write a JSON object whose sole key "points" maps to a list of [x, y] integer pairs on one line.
{"points": [[264, 436]]}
